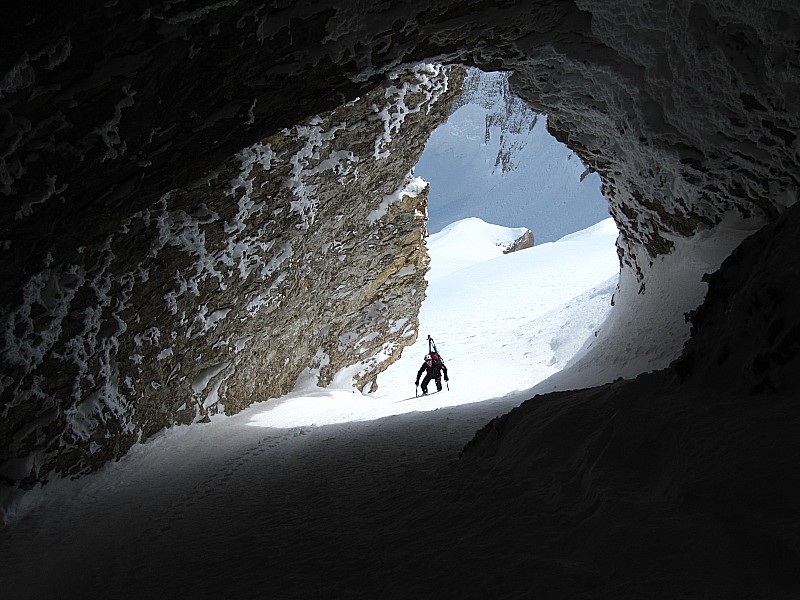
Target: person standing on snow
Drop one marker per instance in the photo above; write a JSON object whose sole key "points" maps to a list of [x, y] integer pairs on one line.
{"points": [[433, 370]]}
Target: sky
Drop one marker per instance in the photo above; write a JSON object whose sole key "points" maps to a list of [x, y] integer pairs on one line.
{"points": [[494, 158]]}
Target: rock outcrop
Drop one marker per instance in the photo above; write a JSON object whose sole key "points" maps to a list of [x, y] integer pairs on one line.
{"points": [[506, 112], [522, 242]]}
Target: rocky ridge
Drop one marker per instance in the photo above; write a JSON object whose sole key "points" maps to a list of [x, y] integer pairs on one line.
{"points": [[506, 112]]}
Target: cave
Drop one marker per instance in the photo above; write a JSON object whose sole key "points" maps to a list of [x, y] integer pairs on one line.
{"points": [[201, 200]]}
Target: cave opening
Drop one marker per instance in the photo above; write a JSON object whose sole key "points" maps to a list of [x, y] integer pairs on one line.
{"points": [[217, 295], [150, 285], [523, 263], [494, 158]]}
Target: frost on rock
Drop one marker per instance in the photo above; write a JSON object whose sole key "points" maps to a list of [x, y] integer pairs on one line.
{"points": [[109, 131], [51, 192], [290, 261], [428, 83], [412, 187], [314, 158]]}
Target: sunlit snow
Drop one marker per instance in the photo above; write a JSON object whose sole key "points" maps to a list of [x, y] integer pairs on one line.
{"points": [[301, 492], [503, 323]]}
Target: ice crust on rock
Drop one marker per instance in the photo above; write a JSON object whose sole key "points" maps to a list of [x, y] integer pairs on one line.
{"points": [[261, 229]]}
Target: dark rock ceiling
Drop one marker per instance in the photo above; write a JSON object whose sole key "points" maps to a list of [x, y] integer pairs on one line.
{"points": [[687, 109]]}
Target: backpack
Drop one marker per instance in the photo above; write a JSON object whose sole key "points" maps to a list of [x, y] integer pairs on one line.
{"points": [[436, 358]]}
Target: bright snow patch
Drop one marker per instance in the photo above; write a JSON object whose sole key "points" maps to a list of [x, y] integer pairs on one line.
{"points": [[503, 323], [467, 243], [411, 186]]}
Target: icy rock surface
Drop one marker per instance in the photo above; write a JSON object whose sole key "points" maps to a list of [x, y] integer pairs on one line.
{"points": [[299, 258]]}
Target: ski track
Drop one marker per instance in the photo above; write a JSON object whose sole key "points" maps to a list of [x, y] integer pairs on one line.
{"points": [[281, 509]]}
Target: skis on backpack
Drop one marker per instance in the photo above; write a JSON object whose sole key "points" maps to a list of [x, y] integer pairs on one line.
{"points": [[436, 356]]}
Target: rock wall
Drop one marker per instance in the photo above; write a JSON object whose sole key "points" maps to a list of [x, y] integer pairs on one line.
{"points": [[746, 335], [300, 258], [689, 111]]}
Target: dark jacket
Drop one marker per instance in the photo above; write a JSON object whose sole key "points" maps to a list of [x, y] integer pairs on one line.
{"points": [[433, 371]]}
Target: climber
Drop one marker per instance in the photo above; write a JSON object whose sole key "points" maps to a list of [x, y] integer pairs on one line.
{"points": [[433, 370]]}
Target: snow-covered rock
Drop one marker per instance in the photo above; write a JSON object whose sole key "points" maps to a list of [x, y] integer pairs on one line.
{"points": [[299, 258]]}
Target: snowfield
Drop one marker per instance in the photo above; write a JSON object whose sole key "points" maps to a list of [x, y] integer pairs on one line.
{"points": [[502, 323], [325, 492]]}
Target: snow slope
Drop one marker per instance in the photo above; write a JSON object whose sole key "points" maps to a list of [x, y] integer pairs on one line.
{"points": [[285, 498], [502, 322], [466, 243], [333, 494]]}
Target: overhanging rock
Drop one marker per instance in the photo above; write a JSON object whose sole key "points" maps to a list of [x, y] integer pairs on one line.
{"points": [[301, 257]]}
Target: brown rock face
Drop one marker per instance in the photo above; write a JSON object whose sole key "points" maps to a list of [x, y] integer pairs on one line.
{"points": [[301, 257], [522, 242]]}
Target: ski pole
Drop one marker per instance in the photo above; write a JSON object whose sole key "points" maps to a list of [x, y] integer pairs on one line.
{"points": [[416, 390]]}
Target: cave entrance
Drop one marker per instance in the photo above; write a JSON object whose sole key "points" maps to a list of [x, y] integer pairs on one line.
{"points": [[494, 159], [505, 317]]}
